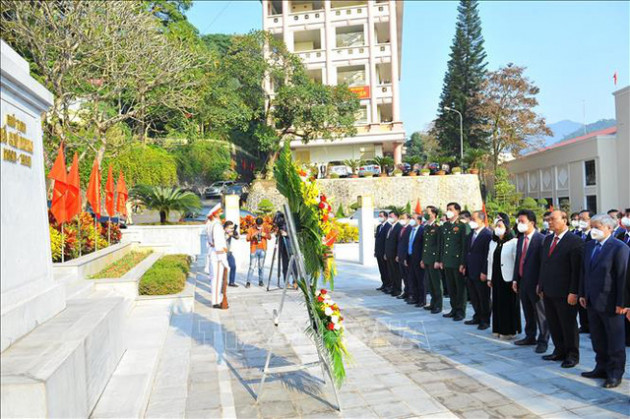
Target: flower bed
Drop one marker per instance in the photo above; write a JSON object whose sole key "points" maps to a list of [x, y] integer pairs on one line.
{"points": [[166, 276], [122, 266]]}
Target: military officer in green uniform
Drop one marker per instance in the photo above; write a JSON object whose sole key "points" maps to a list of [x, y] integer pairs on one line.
{"points": [[430, 258], [452, 256]]}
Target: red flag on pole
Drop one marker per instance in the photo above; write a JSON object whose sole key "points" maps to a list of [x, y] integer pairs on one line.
{"points": [[483, 209], [121, 198], [551, 208], [94, 189], [418, 207], [615, 78], [109, 193], [59, 175], [73, 197]]}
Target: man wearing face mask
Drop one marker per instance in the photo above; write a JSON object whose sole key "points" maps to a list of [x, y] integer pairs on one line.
{"points": [[584, 232], [575, 223], [430, 258], [616, 215], [379, 249], [477, 245], [525, 282], [624, 233], [414, 256], [391, 249], [602, 287], [624, 236], [401, 257], [560, 269], [545, 224], [452, 260]]}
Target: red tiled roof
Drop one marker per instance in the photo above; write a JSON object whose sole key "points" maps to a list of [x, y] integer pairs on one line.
{"points": [[605, 131]]}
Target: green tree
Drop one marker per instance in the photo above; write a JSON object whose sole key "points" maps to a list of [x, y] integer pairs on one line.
{"points": [[462, 84], [505, 198], [424, 145], [164, 200], [141, 165], [202, 162]]}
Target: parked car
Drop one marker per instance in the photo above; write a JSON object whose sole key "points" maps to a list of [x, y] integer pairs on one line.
{"points": [[240, 189], [405, 168], [217, 189], [340, 169], [370, 169]]}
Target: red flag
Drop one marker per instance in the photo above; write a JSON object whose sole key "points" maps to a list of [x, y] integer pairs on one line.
{"points": [[59, 175], [551, 208], [94, 189], [418, 207], [73, 196], [615, 78], [109, 193], [121, 198], [483, 209]]}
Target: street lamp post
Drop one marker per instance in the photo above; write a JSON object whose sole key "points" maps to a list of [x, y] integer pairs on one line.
{"points": [[461, 134]]}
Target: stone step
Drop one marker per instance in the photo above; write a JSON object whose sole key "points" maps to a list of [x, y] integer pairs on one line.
{"points": [[80, 288], [61, 368]]}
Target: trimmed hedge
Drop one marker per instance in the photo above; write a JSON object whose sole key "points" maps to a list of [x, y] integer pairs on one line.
{"points": [[166, 276]]}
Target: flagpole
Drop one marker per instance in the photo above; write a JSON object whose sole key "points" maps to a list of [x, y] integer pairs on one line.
{"points": [[109, 231], [63, 245], [95, 234], [79, 232]]}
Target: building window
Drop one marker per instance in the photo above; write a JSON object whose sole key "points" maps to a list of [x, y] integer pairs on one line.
{"points": [[549, 202], [382, 32], [384, 73], [353, 75], [350, 36], [591, 203], [564, 203], [307, 40], [589, 173], [362, 115], [385, 113]]}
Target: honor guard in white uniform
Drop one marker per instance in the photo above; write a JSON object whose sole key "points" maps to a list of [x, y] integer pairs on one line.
{"points": [[217, 266]]}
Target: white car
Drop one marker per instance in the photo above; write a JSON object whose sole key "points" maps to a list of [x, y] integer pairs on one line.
{"points": [[341, 169]]}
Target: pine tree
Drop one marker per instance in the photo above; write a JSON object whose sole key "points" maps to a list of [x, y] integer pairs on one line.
{"points": [[462, 84]]}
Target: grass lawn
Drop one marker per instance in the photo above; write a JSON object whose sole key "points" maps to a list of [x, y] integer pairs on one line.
{"points": [[122, 265], [166, 276]]}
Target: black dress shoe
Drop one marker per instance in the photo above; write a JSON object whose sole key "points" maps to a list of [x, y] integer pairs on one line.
{"points": [[436, 310], [387, 290], [458, 318], [541, 348], [472, 322], [569, 363], [216, 306], [483, 326], [612, 383], [412, 301], [247, 285], [553, 357], [233, 285], [428, 308], [381, 288], [449, 314], [583, 330], [403, 296], [525, 342], [420, 304], [594, 374]]}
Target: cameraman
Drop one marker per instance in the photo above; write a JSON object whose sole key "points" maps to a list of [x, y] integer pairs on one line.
{"points": [[231, 232], [283, 244], [257, 237]]}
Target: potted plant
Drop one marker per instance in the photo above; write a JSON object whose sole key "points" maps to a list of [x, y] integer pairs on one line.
{"points": [[440, 172], [456, 171], [474, 160], [334, 176], [425, 172], [398, 172], [353, 164]]}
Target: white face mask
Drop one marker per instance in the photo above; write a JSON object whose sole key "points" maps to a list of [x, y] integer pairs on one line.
{"points": [[499, 231], [391, 220], [450, 214], [574, 223], [413, 222], [402, 222], [625, 221], [597, 234], [473, 225], [522, 227], [381, 219], [545, 225], [583, 224]]}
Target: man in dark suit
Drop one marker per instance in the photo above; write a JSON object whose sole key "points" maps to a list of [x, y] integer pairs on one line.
{"points": [[560, 267], [391, 248], [379, 249], [477, 245], [584, 232], [602, 288], [414, 258], [624, 236], [526, 272], [545, 224], [401, 255], [430, 258]]}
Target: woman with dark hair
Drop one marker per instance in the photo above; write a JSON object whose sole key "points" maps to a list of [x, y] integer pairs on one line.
{"points": [[506, 313]]}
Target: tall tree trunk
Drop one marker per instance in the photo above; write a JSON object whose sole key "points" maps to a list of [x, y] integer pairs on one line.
{"points": [[162, 217]]}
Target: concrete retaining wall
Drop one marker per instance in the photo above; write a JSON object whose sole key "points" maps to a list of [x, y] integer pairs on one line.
{"points": [[167, 239]]}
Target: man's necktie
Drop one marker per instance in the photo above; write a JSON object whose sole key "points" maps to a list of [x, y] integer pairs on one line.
{"points": [[553, 244], [523, 253], [596, 252]]}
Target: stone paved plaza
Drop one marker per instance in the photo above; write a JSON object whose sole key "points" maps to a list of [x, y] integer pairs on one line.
{"points": [[406, 362]]}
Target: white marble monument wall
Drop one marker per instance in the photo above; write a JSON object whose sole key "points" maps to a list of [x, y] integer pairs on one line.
{"points": [[29, 295]]}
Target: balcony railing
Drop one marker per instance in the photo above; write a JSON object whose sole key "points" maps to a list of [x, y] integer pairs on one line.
{"points": [[303, 18], [351, 12], [381, 9], [383, 91], [315, 56], [383, 50], [351, 52]]}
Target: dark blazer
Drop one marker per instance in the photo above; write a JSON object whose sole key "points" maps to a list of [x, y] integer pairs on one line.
{"points": [[531, 267], [403, 244], [584, 236], [560, 272], [391, 241], [603, 281], [477, 253], [622, 236], [416, 249], [379, 242]]}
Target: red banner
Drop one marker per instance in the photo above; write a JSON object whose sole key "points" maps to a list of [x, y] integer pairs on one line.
{"points": [[363, 92]]}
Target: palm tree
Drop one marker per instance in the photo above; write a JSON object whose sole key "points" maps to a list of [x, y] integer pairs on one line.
{"points": [[384, 162], [166, 199], [353, 164]]}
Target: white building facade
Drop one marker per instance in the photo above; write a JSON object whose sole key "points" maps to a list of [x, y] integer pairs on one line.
{"points": [[587, 172], [354, 42]]}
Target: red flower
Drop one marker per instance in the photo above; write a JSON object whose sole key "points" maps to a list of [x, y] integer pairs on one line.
{"points": [[322, 205], [323, 198], [325, 218], [335, 307], [320, 299], [331, 326], [323, 291]]}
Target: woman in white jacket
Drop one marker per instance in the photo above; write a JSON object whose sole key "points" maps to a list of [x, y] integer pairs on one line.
{"points": [[506, 311]]}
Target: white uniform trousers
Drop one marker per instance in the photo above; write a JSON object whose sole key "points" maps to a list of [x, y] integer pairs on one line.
{"points": [[217, 267]]}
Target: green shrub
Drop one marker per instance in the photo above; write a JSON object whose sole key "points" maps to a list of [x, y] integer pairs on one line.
{"points": [[265, 206], [166, 276], [340, 213], [203, 162], [142, 165], [122, 265], [334, 176]]}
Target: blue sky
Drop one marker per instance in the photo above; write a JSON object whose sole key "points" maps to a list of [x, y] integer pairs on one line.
{"points": [[571, 50]]}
